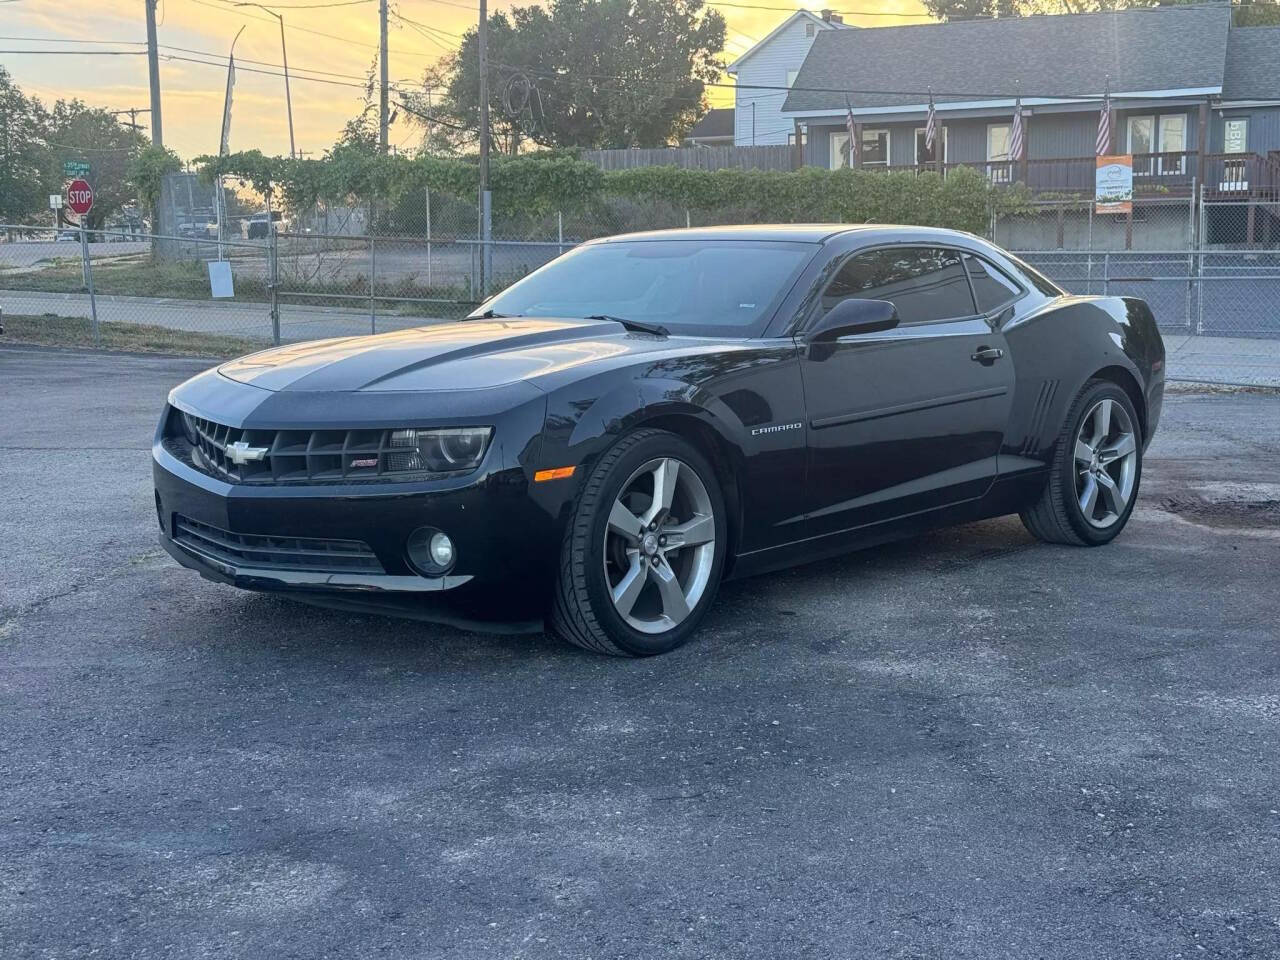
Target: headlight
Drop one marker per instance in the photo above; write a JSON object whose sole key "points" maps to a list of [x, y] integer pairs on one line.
{"points": [[189, 428], [446, 450]]}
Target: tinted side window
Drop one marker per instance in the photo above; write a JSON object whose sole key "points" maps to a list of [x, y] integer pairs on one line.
{"points": [[991, 287], [924, 283]]}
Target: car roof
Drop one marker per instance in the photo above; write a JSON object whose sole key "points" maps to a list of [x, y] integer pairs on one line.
{"points": [[798, 232]]}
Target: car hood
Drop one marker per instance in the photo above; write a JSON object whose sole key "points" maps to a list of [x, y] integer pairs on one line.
{"points": [[464, 355]]}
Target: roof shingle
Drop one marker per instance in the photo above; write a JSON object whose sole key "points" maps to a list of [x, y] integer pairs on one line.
{"points": [[1066, 55]]}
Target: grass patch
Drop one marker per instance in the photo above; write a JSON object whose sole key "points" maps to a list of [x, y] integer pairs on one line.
{"points": [[53, 331], [138, 275]]}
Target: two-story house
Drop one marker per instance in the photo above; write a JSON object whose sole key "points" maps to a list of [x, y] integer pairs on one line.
{"points": [[1194, 99], [763, 73]]}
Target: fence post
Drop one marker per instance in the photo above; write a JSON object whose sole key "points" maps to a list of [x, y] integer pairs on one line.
{"points": [[273, 275], [1191, 248], [1203, 237], [373, 269], [429, 284], [486, 240], [88, 278], [1106, 274], [560, 231], [687, 222], [1089, 262]]}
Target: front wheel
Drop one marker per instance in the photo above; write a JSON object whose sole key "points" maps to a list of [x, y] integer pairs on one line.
{"points": [[642, 556], [1097, 466]]}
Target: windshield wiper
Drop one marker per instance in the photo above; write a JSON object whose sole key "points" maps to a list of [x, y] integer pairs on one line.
{"points": [[491, 315], [638, 325]]}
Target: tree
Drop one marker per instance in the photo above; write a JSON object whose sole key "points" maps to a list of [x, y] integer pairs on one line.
{"points": [[589, 73], [146, 172], [23, 154], [1251, 13], [80, 132]]}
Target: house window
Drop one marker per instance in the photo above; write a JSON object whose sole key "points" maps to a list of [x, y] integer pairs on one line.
{"points": [[839, 150], [1142, 140], [924, 155], [1235, 135], [808, 29], [791, 77], [999, 169], [875, 148]]}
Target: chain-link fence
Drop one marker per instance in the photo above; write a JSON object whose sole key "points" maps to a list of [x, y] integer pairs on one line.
{"points": [[358, 269]]}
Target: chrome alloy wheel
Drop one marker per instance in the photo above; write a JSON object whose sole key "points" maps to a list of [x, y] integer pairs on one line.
{"points": [[660, 545], [1106, 460]]}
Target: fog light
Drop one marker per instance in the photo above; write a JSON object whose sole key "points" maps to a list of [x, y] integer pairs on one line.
{"points": [[430, 551]]}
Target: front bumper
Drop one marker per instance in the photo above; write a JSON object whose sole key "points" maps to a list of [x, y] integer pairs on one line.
{"points": [[506, 545]]}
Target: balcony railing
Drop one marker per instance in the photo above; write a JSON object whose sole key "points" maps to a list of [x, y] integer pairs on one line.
{"points": [[1246, 175]]}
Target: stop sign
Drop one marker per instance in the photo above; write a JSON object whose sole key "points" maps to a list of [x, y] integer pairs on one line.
{"points": [[80, 196]]}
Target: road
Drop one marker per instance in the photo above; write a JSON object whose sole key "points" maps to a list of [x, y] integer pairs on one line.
{"points": [[963, 745], [28, 254]]}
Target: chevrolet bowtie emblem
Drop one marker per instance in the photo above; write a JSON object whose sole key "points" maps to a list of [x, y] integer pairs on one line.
{"points": [[241, 453]]}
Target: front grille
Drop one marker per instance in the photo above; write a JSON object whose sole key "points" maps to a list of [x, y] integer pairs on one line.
{"points": [[241, 455], [275, 553]]}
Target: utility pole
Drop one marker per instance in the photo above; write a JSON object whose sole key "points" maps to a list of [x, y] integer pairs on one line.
{"points": [[288, 99], [485, 210], [382, 64], [153, 71]]}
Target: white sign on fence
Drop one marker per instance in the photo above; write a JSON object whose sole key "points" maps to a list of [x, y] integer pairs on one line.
{"points": [[220, 283]]}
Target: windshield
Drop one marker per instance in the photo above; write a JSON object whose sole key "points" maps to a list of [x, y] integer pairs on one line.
{"points": [[691, 287]]}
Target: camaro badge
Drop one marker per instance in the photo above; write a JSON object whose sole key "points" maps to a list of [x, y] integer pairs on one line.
{"points": [[241, 453], [776, 428]]}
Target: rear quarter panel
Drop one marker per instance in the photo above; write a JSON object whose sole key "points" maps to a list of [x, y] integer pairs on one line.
{"points": [[1057, 348]]}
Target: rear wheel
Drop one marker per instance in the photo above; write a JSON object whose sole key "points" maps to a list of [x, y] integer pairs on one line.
{"points": [[644, 550], [1097, 466]]}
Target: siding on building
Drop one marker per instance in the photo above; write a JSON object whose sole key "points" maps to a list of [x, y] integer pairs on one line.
{"points": [[1049, 135], [767, 65], [1264, 128]]}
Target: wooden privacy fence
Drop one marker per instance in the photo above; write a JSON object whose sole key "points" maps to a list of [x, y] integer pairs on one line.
{"points": [[774, 157]]}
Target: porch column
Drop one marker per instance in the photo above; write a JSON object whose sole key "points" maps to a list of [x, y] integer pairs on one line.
{"points": [[797, 159], [857, 133]]}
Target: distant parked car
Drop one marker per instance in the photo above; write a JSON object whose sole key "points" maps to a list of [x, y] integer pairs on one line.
{"points": [[73, 235], [258, 224]]}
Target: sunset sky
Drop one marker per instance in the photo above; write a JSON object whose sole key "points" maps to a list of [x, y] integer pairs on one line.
{"points": [[192, 92]]}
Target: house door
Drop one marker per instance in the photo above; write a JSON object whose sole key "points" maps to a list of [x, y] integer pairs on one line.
{"points": [[1142, 140], [923, 154], [1173, 143]]}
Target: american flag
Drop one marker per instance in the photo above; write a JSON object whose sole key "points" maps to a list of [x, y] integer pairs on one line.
{"points": [[852, 126], [1104, 123], [1015, 135], [931, 125]]}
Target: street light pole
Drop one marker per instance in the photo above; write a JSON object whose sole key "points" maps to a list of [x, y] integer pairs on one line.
{"points": [[284, 53]]}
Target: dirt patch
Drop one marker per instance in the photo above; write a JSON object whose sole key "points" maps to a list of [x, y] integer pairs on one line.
{"points": [[1228, 504]]}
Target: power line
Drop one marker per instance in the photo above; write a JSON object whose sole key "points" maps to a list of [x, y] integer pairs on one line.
{"points": [[80, 53], [318, 33]]}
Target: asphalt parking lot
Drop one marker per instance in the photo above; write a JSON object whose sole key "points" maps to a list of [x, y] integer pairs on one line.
{"points": [[964, 745]]}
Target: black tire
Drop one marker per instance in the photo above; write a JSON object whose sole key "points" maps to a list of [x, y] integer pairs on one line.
{"points": [[1056, 517], [582, 611]]}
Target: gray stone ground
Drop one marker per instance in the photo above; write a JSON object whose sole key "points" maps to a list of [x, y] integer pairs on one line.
{"points": [[964, 745]]}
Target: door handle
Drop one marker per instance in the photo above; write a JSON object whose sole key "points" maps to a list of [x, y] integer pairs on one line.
{"points": [[987, 355]]}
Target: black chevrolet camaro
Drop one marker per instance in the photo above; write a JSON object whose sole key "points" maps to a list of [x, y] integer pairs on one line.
{"points": [[609, 438]]}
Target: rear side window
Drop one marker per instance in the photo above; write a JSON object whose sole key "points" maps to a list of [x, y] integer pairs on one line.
{"points": [[925, 283], [992, 288]]}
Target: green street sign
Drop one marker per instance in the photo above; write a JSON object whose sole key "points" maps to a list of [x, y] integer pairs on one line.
{"points": [[75, 168]]}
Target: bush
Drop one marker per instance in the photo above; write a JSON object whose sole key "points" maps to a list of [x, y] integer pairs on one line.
{"points": [[540, 184]]}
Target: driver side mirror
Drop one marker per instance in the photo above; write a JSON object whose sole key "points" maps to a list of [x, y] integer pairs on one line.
{"points": [[854, 316]]}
